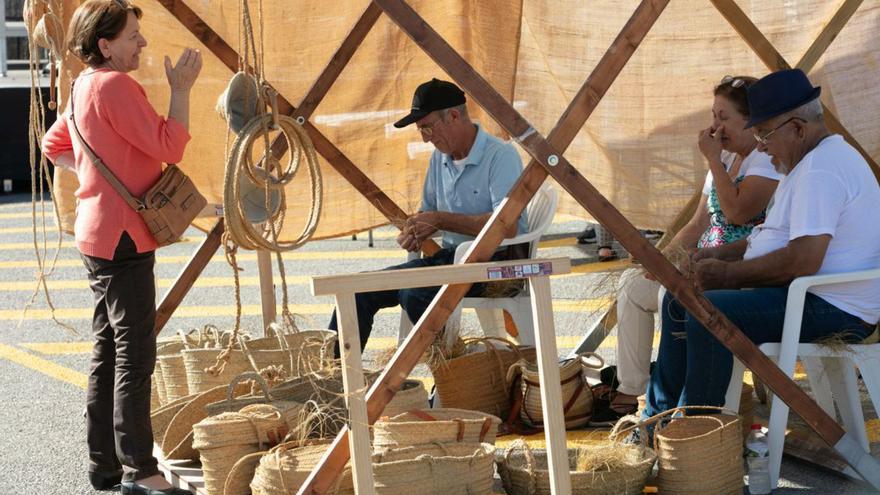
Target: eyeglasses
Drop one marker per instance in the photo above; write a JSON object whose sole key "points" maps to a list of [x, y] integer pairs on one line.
{"points": [[428, 129], [734, 82], [766, 137]]}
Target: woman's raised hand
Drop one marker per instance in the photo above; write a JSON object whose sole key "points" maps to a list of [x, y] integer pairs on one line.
{"points": [[182, 76], [710, 142]]}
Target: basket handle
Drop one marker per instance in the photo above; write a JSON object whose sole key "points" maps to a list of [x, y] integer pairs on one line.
{"points": [[520, 444], [584, 359], [184, 337], [247, 375], [247, 353], [660, 416]]}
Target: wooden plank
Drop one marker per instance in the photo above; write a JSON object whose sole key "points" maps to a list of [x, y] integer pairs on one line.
{"points": [[338, 62], [184, 282], [551, 388], [322, 477], [353, 381], [828, 34], [587, 195], [334, 156], [775, 61], [436, 275], [267, 287]]}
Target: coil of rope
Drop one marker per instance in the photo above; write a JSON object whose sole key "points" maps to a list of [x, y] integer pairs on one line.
{"points": [[269, 175]]}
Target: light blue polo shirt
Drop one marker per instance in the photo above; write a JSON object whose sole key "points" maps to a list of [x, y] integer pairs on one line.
{"points": [[491, 168]]}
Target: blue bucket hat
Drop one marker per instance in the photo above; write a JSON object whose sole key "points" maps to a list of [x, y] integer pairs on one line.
{"points": [[778, 93]]}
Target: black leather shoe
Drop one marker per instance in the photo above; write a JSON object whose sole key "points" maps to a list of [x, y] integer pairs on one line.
{"points": [[133, 488], [101, 480]]}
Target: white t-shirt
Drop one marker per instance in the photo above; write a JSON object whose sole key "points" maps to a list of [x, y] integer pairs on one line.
{"points": [[831, 191], [756, 163]]}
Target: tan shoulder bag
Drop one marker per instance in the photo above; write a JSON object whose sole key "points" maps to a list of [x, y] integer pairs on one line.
{"points": [[168, 207]]}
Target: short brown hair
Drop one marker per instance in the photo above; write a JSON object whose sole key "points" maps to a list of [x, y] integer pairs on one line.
{"points": [[734, 88], [94, 20]]}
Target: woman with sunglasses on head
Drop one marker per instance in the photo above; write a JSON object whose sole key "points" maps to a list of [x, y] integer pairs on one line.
{"points": [[736, 193], [111, 113]]}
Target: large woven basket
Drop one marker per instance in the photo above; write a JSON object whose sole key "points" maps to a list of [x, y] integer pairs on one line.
{"points": [[524, 472], [158, 384], [198, 362], [478, 380], [224, 439], [235, 402], [699, 454], [445, 425], [577, 397], [424, 469], [746, 409], [299, 353], [161, 418]]}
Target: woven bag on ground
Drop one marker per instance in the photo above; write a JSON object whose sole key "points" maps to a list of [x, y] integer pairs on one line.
{"points": [[235, 402], [477, 380], [298, 352], [426, 426], [698, 454], [284, 468], [524, 471], [224, 439], [577, 397], [161, 418]]}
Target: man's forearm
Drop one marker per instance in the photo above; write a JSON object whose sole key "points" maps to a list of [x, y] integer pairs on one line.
{"points": [[733, 251]]}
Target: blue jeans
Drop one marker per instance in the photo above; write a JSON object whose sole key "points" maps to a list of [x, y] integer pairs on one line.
{"points": [[693, 367], [416, 300]]}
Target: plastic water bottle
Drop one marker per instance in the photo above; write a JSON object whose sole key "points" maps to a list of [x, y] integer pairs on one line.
{"points": [[758, 458]]}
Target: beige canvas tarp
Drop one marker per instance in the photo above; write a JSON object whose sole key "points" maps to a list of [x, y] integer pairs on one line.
{"points": [[638, 148]]}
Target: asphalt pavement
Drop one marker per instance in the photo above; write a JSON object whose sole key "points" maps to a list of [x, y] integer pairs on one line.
{"points": [[43, 365]]}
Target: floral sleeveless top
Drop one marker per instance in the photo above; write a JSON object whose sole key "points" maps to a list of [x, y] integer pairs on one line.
{"points": [[721, 231]]}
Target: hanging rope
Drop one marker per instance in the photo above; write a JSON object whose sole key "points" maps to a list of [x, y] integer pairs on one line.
{"points": [[44, 27]]}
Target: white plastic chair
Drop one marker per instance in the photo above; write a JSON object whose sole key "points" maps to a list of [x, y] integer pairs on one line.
{"points": [[540, 211], [831, 371]]}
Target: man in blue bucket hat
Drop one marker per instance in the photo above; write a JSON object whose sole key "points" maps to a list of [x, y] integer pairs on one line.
{"points": [[822, 219]]}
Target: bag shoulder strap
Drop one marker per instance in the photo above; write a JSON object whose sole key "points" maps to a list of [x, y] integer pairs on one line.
{"points": [[99, 164]]}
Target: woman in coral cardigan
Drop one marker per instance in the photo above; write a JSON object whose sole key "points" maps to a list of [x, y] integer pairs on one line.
{"points": [[116, 120]]}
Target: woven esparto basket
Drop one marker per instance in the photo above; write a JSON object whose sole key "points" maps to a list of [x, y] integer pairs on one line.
{"points": [[224, 439], [525, 472], [299, 352], [285, 467], [478, 381], [746, 409], [242, 473], [163, 349], [412, 395], [173, 377], [197, 362], [435, 469], [577, 397], [425, 426], [161, 418], [699, 454]]}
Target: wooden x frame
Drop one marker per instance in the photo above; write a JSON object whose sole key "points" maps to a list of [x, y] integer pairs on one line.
{"points": [[774, 61], [547, 160]]}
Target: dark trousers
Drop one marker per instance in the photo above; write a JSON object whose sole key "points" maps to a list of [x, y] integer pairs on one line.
{"points": [[415, 301], [120, 435]]}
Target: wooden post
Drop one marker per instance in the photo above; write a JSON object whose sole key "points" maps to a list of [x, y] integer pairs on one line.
{"points": [[551, 388], [353, 381], [334, 156], [267, 287], [422, 336], [775, 61], [188, 276]]}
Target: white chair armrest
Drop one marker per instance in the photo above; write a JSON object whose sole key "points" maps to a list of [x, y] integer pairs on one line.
{"points": [[794, 309], [528, 237]]}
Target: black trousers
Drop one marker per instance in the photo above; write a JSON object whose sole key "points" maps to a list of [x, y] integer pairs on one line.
{"points": [[120, 435]]}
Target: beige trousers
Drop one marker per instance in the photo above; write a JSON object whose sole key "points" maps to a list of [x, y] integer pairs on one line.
{"points": [[636, 304]]}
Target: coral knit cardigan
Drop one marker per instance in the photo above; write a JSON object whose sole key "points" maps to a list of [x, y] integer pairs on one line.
{"points": [[117, 121]]}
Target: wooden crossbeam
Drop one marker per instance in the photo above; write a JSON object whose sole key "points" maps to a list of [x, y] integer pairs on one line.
{"points": [[775, 61], [334, 156], [405, 359], [184, 282]]}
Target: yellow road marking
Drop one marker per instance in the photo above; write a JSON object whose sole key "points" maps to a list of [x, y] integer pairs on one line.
{"points": [[52, 243], [27, 215], [162, 283], [569, 306], [295, 256], [43, 366]]}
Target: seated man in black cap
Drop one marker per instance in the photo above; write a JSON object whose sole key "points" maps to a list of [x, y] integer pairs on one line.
{"points": [[470, 172], [820, 221]]}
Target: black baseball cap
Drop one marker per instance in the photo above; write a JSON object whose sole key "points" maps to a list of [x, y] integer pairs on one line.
{"points": [[431, 96]]}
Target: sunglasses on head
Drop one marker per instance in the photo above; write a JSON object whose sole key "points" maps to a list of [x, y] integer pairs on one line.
{"points": [[734, 82]]}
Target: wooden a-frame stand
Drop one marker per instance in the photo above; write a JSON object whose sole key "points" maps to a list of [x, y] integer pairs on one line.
{"points": [[344, 287], [547, 159]]}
